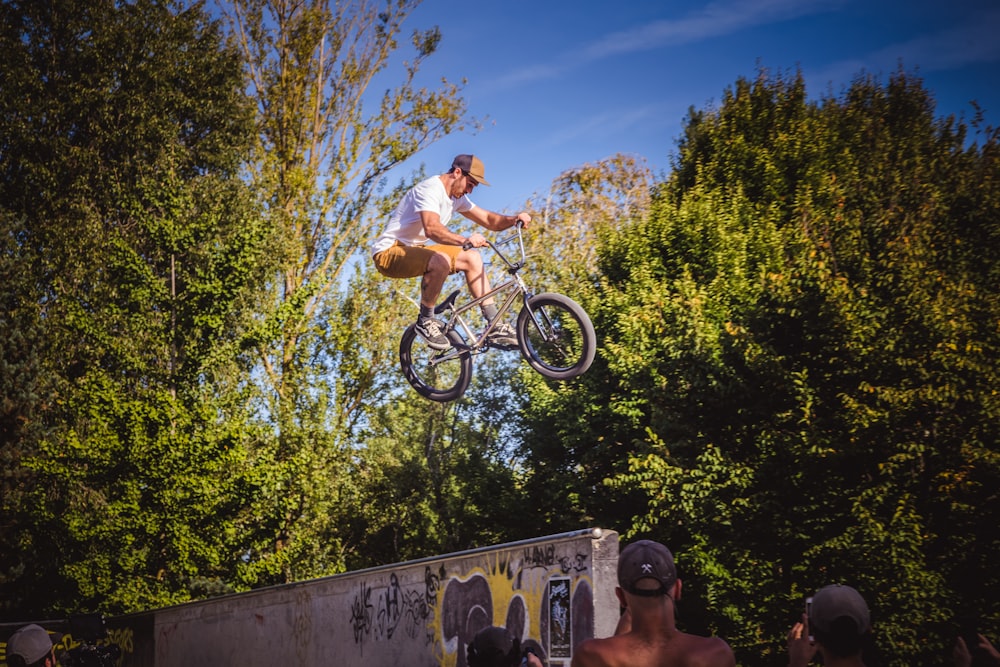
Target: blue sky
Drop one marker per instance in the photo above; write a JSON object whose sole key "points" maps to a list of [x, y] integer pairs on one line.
{"points": [[566, 82]]}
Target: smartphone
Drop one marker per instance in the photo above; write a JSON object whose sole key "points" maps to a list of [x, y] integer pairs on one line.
{"points": [[809, 604]]}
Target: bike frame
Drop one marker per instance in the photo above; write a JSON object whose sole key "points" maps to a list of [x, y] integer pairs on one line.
{"points": [[554, 333], [455, 313]]}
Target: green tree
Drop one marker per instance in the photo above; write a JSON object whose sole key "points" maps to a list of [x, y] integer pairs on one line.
{"points": [[582, 207], [326, 141], [800, 353], [124, 128], [437, 478], [24, 388], [567, 432]]}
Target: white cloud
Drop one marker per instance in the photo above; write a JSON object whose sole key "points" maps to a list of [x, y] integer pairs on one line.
{"points": [[970, 43], [605, 124], [714, 20]]}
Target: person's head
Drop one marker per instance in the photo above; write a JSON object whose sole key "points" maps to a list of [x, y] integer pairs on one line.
{"points": [[494, 647], [467, 171], [839, 620], [30, 646], [646, 569]]}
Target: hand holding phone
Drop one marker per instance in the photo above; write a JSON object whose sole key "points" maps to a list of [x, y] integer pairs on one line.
{"points": [[809, 604]]}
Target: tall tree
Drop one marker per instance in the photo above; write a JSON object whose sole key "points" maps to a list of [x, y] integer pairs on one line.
{"points": [[326, 140], [439, 477], [583, 206], [566, 431], [800, 351], [124, 127]]}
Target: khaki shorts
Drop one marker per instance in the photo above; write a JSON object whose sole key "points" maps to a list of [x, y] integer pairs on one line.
{"points": [[410, 261]]}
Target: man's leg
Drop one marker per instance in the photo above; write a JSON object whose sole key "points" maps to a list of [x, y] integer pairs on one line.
{"points": [[401, 261], [438, 268], [471, 262]]}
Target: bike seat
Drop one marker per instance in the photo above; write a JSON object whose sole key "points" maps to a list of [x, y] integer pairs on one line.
{"points": [[448, 303]]}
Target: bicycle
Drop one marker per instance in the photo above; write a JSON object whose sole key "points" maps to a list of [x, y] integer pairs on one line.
{"points": [[554, 334]]}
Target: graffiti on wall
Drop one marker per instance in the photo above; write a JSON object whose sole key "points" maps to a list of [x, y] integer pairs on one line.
{"points": [[544, 556], [543, 597], [380, 615], [544, 600]]}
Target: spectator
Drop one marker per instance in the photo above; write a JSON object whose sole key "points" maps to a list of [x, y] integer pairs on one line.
{"points": [[984, 651], [647, 636], [839, 622], [497, 647], [30, 646]]}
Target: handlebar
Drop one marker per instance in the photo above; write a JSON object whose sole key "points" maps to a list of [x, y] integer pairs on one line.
{"points": [[512, 267], [517, 226]]}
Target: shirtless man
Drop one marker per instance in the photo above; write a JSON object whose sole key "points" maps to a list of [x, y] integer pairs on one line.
{"points": [[648, 588]]}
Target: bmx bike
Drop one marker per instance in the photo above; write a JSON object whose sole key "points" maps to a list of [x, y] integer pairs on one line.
{"points": [[554, 334]]}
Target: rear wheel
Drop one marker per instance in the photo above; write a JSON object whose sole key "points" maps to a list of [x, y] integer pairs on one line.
{"points": [[556, 336], [440, 375]]}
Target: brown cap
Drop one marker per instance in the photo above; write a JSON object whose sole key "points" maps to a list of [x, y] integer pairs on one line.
{"points": [[472, 166]]}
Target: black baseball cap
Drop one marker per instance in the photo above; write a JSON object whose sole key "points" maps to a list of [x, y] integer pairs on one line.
{"points": [[646, 560], [494, 647]]}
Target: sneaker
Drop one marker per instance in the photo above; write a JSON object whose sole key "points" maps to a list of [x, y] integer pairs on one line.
{"points": [[433, 332], [502, 336]]}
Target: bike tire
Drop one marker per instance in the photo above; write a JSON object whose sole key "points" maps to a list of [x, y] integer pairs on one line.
{"points": [[559, 341], [442, 382]]}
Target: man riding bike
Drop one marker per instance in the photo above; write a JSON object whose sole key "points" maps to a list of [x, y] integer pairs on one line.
{"points": [[422, 216]]}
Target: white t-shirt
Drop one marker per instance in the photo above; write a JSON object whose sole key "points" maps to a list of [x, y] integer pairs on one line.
{"points": [[404, 223]]}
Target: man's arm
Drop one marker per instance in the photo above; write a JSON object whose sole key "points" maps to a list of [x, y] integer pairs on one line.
{"points": [[438, 233], [495, 222]]}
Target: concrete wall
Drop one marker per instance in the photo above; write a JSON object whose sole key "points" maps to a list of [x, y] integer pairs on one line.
{"points": [[552, 591]]}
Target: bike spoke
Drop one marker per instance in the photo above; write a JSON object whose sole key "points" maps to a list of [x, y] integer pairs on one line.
{"points": [[438, 375], [557, 337]]}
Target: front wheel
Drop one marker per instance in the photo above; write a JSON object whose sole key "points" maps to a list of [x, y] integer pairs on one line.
{"points": [[437, 375], [556, 336]]}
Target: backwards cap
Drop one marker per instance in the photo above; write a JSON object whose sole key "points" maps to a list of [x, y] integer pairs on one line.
{"points": [[31, 643], [646, 559], [494, 647], [837, 601]]}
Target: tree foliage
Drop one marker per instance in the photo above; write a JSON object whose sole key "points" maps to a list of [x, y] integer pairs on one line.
{"points": [[798, 361], [327, 139], [198, 366], [124, 126]]}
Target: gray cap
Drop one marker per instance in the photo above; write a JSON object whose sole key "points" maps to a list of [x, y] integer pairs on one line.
{"points": [[839, 601], [31, 643]]}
